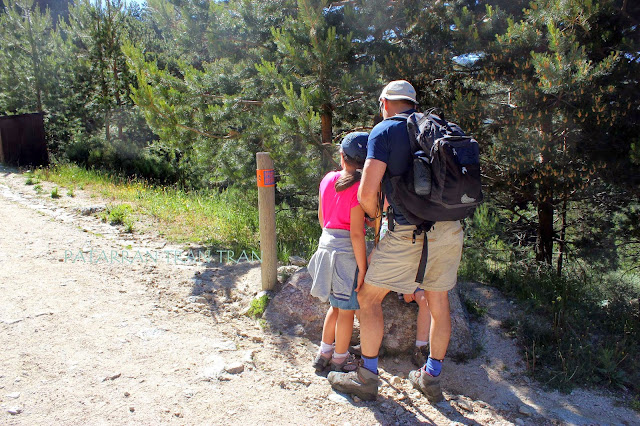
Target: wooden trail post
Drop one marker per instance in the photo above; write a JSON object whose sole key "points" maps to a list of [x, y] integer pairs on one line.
{"points": [[267, 211]]}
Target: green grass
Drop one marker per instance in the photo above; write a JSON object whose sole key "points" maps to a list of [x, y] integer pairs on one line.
{"points": [[258, 306], [120, 214], [30, 178], [579, 328], [474, 308], [55, 193], [226, 219]]}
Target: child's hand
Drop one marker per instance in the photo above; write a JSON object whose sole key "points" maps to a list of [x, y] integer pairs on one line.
{"points": [[360, 282], [408, 298]]}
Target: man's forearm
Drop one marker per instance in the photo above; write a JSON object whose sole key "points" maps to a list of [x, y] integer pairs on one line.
{"points": [[372, 174], [369, 203]]}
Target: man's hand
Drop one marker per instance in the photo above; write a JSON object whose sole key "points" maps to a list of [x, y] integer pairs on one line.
{"points": [[408, 298], [369, 222]]}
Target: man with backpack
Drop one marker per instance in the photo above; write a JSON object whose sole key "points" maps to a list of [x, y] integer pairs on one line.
{"points": [[398, 263]]}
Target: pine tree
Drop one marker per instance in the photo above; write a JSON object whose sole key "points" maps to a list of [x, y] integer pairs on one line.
{"points": [[24, 55], [102, 80], [208, 109], [248, 92], [35, 68], [320, 83], [554, 86]]}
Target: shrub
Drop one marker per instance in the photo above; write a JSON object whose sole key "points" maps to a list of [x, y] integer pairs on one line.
{"points": [[118, 215], [258, 306]]}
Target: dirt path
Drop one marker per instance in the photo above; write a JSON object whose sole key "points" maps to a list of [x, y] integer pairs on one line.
{"points": [[88, 337]]}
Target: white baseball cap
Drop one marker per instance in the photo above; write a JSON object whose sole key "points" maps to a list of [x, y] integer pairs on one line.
{"points": [[399, 90]]}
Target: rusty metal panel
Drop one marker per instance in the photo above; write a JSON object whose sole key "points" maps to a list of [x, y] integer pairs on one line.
{"points": [[23, 140]]}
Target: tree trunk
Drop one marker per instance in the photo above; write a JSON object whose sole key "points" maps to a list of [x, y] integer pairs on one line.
{"points": [[107, 126], [118, 102], [326, 123], [326, 117], [563, 233], [113, 48], [544, 241], [35, 60], [563, 229]]}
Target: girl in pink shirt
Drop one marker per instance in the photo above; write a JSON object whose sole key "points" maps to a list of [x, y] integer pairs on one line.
{"points": [[339, 265]]}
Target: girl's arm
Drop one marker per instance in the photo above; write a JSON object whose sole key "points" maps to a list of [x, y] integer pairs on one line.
{"points": [[357, 241], [320, 210]]}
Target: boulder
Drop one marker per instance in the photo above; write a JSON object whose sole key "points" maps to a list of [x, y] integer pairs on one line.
{"points": [[294, 311], [400, 326], [462, 345], [293, 308], [297, 261]]}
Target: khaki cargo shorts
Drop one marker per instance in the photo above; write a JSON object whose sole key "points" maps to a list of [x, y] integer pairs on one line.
{"points": [[394, 263]]}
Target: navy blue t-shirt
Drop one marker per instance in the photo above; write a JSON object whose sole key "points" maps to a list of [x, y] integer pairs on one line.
{"points": [[389, 143]]}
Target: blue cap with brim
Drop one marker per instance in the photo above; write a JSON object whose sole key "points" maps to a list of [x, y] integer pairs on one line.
{"points": [[355, 145]]}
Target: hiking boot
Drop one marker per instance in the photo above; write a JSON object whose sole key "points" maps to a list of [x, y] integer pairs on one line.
{"points": [[361, 383], [427, 384], [420, 355], [346, 365], [321, 362]]}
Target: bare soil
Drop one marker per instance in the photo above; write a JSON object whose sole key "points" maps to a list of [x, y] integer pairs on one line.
{"points": [[90, 337]]}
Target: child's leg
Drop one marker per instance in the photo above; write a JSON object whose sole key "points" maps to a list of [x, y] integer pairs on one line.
{"points": [[323, 358], [423, 324], [344, 329], [424, 319], [329, 328]]}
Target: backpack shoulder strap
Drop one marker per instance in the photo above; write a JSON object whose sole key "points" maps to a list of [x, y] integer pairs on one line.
{"points": [[415, 126], [412, 127]]}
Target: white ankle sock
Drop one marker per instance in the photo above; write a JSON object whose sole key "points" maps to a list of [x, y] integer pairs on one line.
{"points": [[338, 356], [420, 343], [326, 348]]}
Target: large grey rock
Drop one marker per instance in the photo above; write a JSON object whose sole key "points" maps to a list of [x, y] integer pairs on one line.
{"points": [[462, 345], [89, 210], [400, 326], [294, 311], [297, 261]]}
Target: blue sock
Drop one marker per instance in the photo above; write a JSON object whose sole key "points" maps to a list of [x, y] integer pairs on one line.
{"points": [[370, 364], [433, 367]]}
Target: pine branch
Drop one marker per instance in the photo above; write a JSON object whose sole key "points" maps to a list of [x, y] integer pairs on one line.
{"points": [[237, 101], [230, 135]]}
